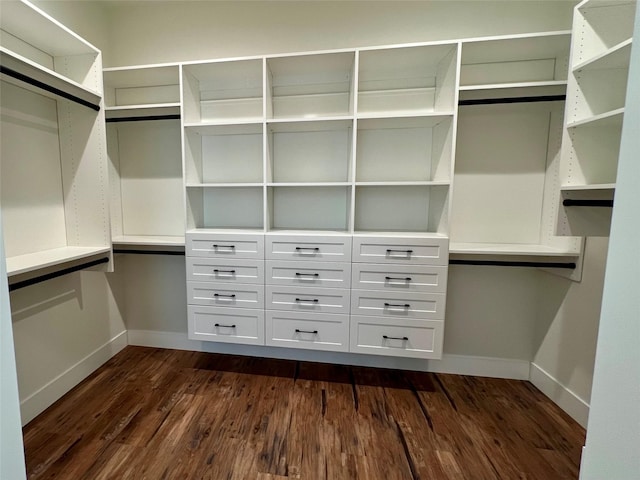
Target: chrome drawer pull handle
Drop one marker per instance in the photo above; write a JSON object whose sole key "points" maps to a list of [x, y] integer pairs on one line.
{"points": [[312, 332], [313, 249], [399, 305], [230, 247], [224, 271], [233, 295], [219, 325], [386, 337], [406, 279], [391, 250], [299, 274], [314, 300]]}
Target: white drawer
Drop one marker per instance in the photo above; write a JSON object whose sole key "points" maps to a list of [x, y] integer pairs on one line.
{"points": [[318, 248], [399, 278], [231, 325], [418, 250], [225, 270], [225, 245], [314, 331], [398, 304], [225, 294], [304, 299], [395, 337], [310, 274]]}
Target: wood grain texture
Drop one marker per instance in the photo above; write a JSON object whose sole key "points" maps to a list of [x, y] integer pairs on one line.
{"points": [[165, 414]]}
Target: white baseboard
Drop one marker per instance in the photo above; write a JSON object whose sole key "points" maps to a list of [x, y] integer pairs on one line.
{"points": [[43, 398], [456, 364], [567, 400]]}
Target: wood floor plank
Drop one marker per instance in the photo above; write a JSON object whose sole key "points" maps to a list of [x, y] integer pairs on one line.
{"points": [[166, 414]]}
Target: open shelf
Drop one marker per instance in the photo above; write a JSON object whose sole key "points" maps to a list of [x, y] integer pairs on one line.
{"points": [[142, 88], [509, 249], [148, 240], [611, 118], [615, 57], [223, 92], [310, 86], [55, 257], [414, 80], [153, 111], [409, 149], [225, 208]]}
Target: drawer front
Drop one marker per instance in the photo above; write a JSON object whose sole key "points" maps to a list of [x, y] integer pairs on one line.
{"points": [[399, 278], [225, 270], [395, 337], [225, 245], [231, 325], [313, 331], [307, 247], [303, 299], [398, 304], [309, 274], [225, 294], [419, 251]]}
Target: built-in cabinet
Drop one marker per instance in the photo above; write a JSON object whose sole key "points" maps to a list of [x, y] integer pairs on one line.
{"points": [[600, 52], [53, 164]]}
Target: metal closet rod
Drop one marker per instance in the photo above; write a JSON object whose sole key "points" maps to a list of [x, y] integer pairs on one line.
{"points": [[37, 83], [149, 252], [56, 274], [143, 119], [507, 263], [494, 101], [569, 202]]}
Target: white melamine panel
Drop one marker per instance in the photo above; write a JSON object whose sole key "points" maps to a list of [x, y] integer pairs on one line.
{"points": [[409, 250], [217, 324], [313, 331], [150, 174], [307, 299], [331, 248], [500, 173], [401, 338], [310, 85], [309, 151], [409, 79], [399, 278], [30, 162], [404, 149], [309, 274], [597, 92], [531, 58], [401, 208], [231, 207], [225, 270], [224, 245], [141, 85], [223, 91], [309, 208], [216, 294], [44, 259], [398, 304]]}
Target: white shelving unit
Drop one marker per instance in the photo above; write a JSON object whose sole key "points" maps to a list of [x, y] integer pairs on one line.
{"points": [[602, 33], [143, 142], [54, 194], [508, 148]]}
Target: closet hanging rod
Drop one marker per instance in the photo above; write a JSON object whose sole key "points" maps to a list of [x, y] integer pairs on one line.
{"points": [[48, 88], [508, 263], [142, 118], [56, 274], [569, 202], [149, 252], [494, 101]]}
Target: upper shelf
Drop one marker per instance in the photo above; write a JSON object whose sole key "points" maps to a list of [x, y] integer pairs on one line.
{"points": [[615, 57], [56, 257], [612, 118], [137, 88]]}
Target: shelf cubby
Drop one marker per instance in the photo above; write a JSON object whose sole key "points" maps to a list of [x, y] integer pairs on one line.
{"points": [[310, 151], [407, 80], [229, 207], [401, 208], [218, 154], [223, 92], [525, 60], [152, 90], [310, 86], [295, 207], [404, 149]]}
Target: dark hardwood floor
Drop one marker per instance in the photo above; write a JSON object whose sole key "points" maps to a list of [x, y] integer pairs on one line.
{"points": [[164, 414]]}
